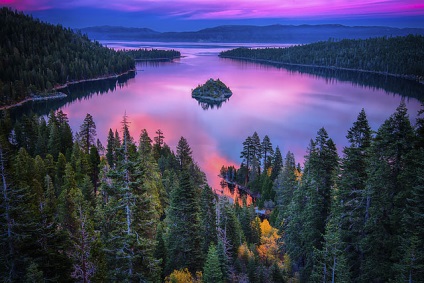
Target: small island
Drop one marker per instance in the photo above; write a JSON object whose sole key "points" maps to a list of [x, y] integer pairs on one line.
{"points": [[212, 90]]}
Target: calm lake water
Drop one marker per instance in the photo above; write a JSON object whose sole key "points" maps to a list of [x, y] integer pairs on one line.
{"points": [[288, 106]]}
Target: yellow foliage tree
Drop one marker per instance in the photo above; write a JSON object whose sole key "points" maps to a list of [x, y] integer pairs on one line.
{"points": [[244, 253], [268, 249], [267, 230], [183, 276]]}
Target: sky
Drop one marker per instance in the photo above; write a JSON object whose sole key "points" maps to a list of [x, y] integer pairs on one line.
{"points": [[191, 15]]}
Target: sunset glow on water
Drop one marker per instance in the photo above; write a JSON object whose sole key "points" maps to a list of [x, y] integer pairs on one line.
{"points": [[288, 107]]}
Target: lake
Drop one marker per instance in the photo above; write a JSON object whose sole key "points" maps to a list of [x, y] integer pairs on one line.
{"points": [[287, 105]]}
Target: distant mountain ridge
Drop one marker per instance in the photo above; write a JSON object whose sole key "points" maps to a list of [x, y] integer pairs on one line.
{"points": [[247, 33]]}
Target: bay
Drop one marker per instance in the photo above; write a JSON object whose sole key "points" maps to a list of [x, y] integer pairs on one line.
{"points": [[288, 105]]}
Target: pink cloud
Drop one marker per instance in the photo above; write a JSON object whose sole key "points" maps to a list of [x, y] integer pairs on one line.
{"points": [[237, 9]]}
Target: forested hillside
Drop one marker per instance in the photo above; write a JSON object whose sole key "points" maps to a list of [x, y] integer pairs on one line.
{"points": [[153, 54], [74, 210], [402, 55], [36, 57], [354, 218]]}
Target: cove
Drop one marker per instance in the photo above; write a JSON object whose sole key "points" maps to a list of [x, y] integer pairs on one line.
{"points": [[288, 105]]}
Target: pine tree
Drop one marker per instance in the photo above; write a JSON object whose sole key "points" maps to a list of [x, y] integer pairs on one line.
{"points": [[132, 212], [277, 164], [268, 152], [212, 269], [247, 155], [330, 262], [387, 190], [351, 195], [184, 243], [110, 149], [159, 143], [184, 153], [257, 153], [87, 134], [42, 138], [284, 187], [208, 218], [82, 239], [309, 211], [145, 144]]}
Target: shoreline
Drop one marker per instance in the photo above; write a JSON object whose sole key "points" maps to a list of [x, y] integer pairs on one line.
{"points": [[93, 79], [60, 95], [158, 59], [407, 77]]}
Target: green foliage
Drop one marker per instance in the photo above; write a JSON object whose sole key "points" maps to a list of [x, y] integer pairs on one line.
{"points": [[184, 239], [153, 54], [357, 219], [212, 270], [37, 57], [213, 89], [87, 134], [401, 55], [208, 218]]}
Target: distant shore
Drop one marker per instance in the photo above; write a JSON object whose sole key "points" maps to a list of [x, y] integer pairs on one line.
{"points": [[157, 59], [59, 95], [420, 79]]}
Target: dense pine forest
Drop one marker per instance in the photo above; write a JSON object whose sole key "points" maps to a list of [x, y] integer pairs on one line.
{"points": [[153, 54], [73, 210], [36, 57], [401, 55]]}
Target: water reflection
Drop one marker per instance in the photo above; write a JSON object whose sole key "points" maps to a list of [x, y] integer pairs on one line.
{"points": [[233, 192], [76, 92], [390, 84], [209, 104], [287, 105]]}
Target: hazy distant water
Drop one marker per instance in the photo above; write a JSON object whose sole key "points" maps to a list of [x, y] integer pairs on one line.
{"points": [[289, 107]]}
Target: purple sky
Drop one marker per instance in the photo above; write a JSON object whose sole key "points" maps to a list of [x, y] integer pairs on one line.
{"points": [[169, 15]]}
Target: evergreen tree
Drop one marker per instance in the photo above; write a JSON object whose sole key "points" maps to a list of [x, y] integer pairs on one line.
{"points": [[268, 152], [159, 143], [212, 269], [42, 137], [110, 148], [94, 160], [387, 190], [82, 239], [277, 164], [145, 144], [87, 134], [184, 243], [132, 212], [310, 208], [257, 153], [184, 153], [352, 199], [284, 187], [208, 218], [247, 155]]}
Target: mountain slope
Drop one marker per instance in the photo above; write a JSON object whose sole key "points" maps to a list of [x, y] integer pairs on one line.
{"points": [[247, 33], [37, 57]]}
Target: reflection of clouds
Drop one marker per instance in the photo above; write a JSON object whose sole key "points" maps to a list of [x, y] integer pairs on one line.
{"points": [[288, 107]]}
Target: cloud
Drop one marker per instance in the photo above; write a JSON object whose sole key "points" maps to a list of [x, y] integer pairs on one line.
{"points": [[235, 9]]}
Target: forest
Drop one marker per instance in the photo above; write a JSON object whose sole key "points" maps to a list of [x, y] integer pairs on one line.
{"points": [[400, 56], [36, 57], [153, 54], [73, 210]]}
